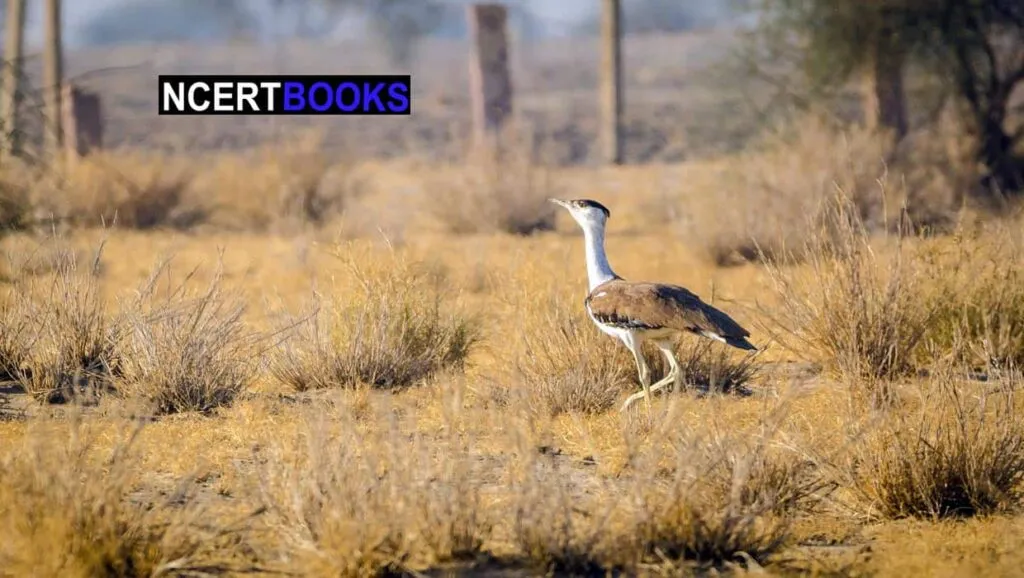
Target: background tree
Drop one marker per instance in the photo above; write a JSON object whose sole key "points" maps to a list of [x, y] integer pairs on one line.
{"points": [[975, 48]]}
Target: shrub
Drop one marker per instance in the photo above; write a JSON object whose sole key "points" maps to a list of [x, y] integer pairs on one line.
{"points": [[979, 301], [187, 352], [725, 500], [284, 188], [15, 205], [130, 191], [710, 366], [557, 532], [568, 366], [858, 312], [770, 199], [962, 454], [395, 331], [76, 350], [16, 335], [486, 194]]}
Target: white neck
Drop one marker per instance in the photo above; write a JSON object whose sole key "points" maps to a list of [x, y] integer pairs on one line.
{"points": [[598, 269]]}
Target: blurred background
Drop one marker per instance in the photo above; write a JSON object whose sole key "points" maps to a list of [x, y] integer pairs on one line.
{"points": [[757, 109], [117, 47]]}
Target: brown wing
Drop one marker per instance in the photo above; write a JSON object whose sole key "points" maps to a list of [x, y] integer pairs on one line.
{"points": [[655, 306]]}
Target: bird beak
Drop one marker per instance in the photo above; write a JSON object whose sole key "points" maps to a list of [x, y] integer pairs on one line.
{"points": [[563, 204]]}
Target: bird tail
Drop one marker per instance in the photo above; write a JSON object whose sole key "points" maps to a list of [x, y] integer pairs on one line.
{"points": [[740, 343]]}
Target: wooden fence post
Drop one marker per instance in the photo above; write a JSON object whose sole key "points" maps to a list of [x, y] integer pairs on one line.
{"points": [[10, 79], [611, 81], [82, 121], [489, 77], [53, 76]]}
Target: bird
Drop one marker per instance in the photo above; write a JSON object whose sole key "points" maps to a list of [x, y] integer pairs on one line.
{"points": [[636, 312]]}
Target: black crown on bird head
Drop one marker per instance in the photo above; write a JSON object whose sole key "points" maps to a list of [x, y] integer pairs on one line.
{"points": [[581, 203]]}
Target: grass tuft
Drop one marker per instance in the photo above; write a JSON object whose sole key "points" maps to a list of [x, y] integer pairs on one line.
{"points": [[979, 301], [960, 454], [681, 503], [710, 366], [187, 352], [75, 351], [728, 500], [16, 334], [568, 366], [15, 205], [859, 311], [764, 195], [397, 329]]}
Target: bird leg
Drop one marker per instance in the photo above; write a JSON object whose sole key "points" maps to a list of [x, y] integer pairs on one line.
{"points": [[668, 350], [647, 392], [673, 377], [634, 346]]}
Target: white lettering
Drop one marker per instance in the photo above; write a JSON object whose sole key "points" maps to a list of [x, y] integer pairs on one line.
{"points": [[221, 93], [192, 102], [270, 87], [175, 94], [247, 92]]}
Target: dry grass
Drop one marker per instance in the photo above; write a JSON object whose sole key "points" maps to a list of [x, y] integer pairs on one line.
{"points": [[15, 339], [772, 198], [959, 453], [487, 195], [568, 366], [859, 312], [359, 480], [979, 318], [396, 329], [71, 507], [881, 308], [15, 205], [75, 339], [285, 188], [711, 367], [686, 502], [345, 502], [187, 352], [127, 190]]}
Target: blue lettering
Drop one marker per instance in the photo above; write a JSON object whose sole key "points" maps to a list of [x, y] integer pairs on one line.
{"points": [[293, 97], [326, 88], [399, 93], [341, 99], [372, 95]]}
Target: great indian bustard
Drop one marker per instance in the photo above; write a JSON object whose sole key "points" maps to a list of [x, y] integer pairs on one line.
{"points": [[638, 312]]}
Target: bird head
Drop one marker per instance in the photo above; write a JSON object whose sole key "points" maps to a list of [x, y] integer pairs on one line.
{"points": [[589, 214]]}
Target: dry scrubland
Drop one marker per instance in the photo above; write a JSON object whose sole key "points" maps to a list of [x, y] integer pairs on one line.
{"points": [[293, 361]]}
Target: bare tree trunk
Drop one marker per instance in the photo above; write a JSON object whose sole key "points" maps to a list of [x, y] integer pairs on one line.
{"points": [[10, 80], [611, 81], [53, 76], [885, 101]]}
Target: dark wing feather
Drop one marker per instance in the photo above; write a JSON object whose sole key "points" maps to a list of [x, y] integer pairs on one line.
{"points": [[658, 305]]}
